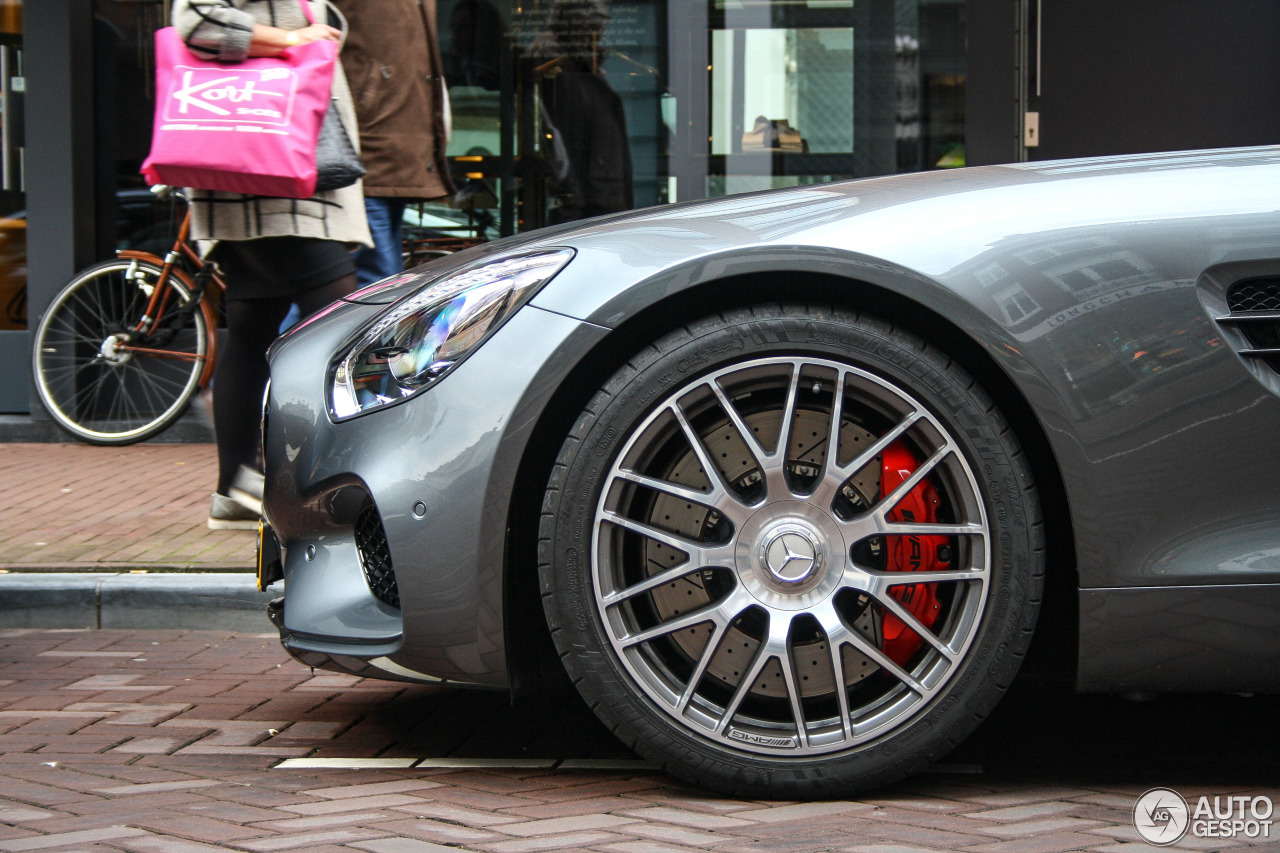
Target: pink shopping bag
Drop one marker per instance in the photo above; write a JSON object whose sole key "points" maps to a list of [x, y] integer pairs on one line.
{"points": [[249, 127]]}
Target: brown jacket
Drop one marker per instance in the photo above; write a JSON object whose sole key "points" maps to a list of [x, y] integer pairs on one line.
{"points": [[392, 60]]}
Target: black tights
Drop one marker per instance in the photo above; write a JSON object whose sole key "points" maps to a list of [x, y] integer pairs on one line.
{"points": [[241, 371]]}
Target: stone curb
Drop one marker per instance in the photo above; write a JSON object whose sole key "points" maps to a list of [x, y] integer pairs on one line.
{"points": [[216, 601]]}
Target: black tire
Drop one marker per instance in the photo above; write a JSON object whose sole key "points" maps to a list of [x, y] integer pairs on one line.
{"points": [[92, 386], [655, 572]]}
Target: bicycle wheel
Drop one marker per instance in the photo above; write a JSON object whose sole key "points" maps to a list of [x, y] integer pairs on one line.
{"points": [[103, 380]]}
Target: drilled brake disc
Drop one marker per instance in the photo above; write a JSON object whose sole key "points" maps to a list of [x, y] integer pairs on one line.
{"points": [[808, 450]]}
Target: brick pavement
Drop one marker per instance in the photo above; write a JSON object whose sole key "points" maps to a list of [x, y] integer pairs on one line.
{"points": [[75, 507], [169, 742]]}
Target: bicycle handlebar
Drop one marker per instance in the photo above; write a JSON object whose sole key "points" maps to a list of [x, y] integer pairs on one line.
{"points": [[164, 192]]}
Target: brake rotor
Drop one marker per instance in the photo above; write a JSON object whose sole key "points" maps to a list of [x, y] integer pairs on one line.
{"points": [[806, 455]]}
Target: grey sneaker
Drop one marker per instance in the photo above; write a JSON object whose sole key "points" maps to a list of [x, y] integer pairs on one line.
{"points": [[226, 514], [246, 489]]}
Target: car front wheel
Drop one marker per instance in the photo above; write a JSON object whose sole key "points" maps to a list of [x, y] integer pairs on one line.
{"points": [[791, 552]]}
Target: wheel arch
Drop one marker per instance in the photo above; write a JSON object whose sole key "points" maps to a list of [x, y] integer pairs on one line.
{"points": [[531, 656]]}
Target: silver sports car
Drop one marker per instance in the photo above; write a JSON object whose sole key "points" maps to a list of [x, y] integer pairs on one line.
{"points": [[786, 480]]}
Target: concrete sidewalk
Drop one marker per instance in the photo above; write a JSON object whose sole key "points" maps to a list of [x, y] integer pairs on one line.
{"points": [[98, 537]]}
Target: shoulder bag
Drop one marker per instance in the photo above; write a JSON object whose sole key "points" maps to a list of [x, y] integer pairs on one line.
{"points": [[248, 127]]}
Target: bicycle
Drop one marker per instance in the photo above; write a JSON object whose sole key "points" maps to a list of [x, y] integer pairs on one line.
{"points": [[127, 343]]}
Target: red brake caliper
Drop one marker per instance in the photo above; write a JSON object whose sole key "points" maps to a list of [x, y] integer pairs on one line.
{"points": [[910, 553]]}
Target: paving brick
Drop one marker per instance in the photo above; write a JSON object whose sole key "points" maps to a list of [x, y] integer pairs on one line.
{"points": [[564, 825], [160, 844], [354, 804], [1041, 827], [277, 824], [1021, 796], [105, 807], [892, 848], [444, 833], [401, 845], [677, 835], [308, 841], [472, 798], [944, 822], [800, 811], [1127, 832], [701, 820], [346, 792], [460, 814], [551, 842], [67, 839], [231, 812], [1033, 810], [567, 792], [646, 847], [193, 827], [568, 808], [1052, 843], [157, 787], [923, 836]]}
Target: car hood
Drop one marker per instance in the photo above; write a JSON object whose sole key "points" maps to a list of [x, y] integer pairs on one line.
{"points": [[929, 222]]}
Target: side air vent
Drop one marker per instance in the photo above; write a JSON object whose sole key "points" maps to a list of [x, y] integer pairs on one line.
{"points": [[375, 556], [1255, 311]]}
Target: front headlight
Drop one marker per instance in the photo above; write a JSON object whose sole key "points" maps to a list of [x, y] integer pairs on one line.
{"points": [[418, 340]]}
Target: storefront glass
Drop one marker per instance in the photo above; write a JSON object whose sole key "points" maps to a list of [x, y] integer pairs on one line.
{"points": [[127, 215], [572, 108], [564, 109]]}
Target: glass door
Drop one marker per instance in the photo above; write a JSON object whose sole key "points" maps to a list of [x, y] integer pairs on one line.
{"points": [[557, 109], [782, 93]]}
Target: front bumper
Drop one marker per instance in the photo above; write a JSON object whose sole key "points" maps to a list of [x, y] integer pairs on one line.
{"points": [[434, 473]]}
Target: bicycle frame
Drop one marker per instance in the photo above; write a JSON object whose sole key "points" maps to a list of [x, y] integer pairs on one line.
{"points": [[161, 296]]}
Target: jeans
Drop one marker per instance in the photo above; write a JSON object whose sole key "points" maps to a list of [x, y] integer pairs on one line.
{"points": [[385, 258]]}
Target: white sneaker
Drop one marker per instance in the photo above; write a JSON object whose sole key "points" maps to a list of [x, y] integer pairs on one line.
{"points": [[246, 489], [226, 514]]}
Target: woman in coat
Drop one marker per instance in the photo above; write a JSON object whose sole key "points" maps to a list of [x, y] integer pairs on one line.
{"points": [[273, 252]]}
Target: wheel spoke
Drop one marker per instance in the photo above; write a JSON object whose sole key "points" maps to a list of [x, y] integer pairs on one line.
{"points": [[847, 635], [875, 522], [748, 435], [908, 618], [928, 528], [788, 420], [891, 500], [667, 487], [719, 612], [749, 677], [832, 466], [836, 651], [650, 583], [835, 474], [704, 660], [792, 681], [699, 554], [719, 488], [886, 580]]}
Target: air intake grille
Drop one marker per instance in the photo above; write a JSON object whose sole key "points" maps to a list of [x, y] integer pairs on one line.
{"points": [[1255, 312], [1258, 294], [375, 556]]}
